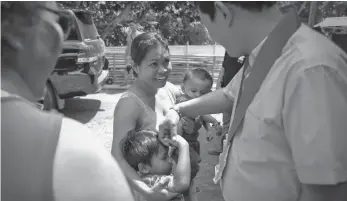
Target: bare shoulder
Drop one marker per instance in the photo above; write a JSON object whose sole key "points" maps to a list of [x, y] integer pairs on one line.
{"points": [[128, 104], [84, 169]]}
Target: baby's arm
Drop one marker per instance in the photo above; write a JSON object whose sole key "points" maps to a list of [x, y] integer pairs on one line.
{"points": [[181, 172], [209, 119]]}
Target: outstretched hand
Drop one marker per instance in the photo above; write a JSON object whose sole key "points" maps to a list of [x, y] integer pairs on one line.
{"points": [[168, 128]]}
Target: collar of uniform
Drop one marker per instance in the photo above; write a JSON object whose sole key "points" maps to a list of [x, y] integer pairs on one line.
{"points": [[255, 52]]}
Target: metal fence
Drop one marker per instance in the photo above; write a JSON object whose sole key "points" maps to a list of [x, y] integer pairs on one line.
{"points": [[183, 57]]}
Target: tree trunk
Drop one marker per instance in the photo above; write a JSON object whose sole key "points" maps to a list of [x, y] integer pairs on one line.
{"points": [[312, 16], [116, 20], [302, 7]]}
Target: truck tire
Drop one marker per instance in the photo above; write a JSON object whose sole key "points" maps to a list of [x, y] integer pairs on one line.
{"points": [[50, 101]]}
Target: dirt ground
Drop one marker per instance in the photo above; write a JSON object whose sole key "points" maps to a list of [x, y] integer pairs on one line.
{"points": [[96, 112]]}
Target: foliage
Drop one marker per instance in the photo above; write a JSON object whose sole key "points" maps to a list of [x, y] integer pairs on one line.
{"points": [[177, 21], [324, 9]]}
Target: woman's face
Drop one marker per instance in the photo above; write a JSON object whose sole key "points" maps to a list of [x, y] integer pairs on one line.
{"points": [[155, 67]]}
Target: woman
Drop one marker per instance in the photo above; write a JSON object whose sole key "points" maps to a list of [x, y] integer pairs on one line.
{"points": [[42, 155], [145, 103]]}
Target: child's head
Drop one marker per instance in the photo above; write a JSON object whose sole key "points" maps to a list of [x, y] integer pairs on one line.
{"points": [[197, 82], [146, 154]]}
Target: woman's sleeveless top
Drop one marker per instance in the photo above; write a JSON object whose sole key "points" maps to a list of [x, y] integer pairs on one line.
{"points": [[29, 139], [147, 119]]}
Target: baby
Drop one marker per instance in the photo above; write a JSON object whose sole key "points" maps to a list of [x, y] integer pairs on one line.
{"points": [[196, 83], [149, 157]]}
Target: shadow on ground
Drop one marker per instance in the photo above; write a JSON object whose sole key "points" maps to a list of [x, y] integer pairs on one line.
{"points": [[82, 110]]}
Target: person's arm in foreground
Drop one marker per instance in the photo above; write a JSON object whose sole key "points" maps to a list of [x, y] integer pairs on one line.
{"points": [[314, 118], [211, 103], [218, 101], [84, 170], [181, 173], [125, 115]]}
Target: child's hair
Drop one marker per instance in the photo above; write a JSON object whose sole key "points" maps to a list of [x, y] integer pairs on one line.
{"points": [[139, 147], [199, 73], [143, 43]]}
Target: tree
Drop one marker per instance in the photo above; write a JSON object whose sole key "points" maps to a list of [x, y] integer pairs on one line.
{"points": [[173, 19], [177, 21]]}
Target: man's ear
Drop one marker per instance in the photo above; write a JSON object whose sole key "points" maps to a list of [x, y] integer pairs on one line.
{"points": [[136, 69], [144, 168], [224, 12]]}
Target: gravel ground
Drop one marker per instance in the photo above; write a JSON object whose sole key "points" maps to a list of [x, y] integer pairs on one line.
{"points": [[96, 112]]}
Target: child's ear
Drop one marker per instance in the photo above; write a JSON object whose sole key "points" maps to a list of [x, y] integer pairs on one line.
{"points": [[144, 168]]}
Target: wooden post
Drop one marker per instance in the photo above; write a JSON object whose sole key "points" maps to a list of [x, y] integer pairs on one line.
{"points": [[114, 60], [214, 58], [312, 15], [186, 54]]}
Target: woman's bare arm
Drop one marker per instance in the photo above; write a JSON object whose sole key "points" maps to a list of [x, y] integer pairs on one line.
{"points": [[181, 176], [125, 116]]}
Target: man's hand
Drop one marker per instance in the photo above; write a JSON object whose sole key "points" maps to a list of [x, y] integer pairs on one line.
{"points": [[168, 128]]}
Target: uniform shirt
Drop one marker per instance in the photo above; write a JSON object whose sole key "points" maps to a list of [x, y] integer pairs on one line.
{"points": [[294, 131]]}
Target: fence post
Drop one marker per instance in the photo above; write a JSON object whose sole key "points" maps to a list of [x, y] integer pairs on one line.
{"points": [[114, 60], [214, 58], [186, 54]]}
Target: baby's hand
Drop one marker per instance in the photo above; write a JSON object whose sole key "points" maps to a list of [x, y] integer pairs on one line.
{"points": [[209, 135], [218, 128], [177, 141]]}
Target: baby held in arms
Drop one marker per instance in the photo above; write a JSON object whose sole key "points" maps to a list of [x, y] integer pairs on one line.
{"points": [[196, 82], [149, 157]]}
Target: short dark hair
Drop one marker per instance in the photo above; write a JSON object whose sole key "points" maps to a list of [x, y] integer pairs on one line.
{"points": [[16, 17], [209, 8], [139, 147], [199, 73], [143, 43]]}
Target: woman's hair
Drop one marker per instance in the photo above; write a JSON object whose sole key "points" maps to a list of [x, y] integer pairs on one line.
{"points": [[16, 19], [143, 43], [139, 147]]}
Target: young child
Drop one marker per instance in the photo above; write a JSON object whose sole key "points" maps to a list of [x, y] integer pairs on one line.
{"points": [[196, 83], [149, 157]]}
